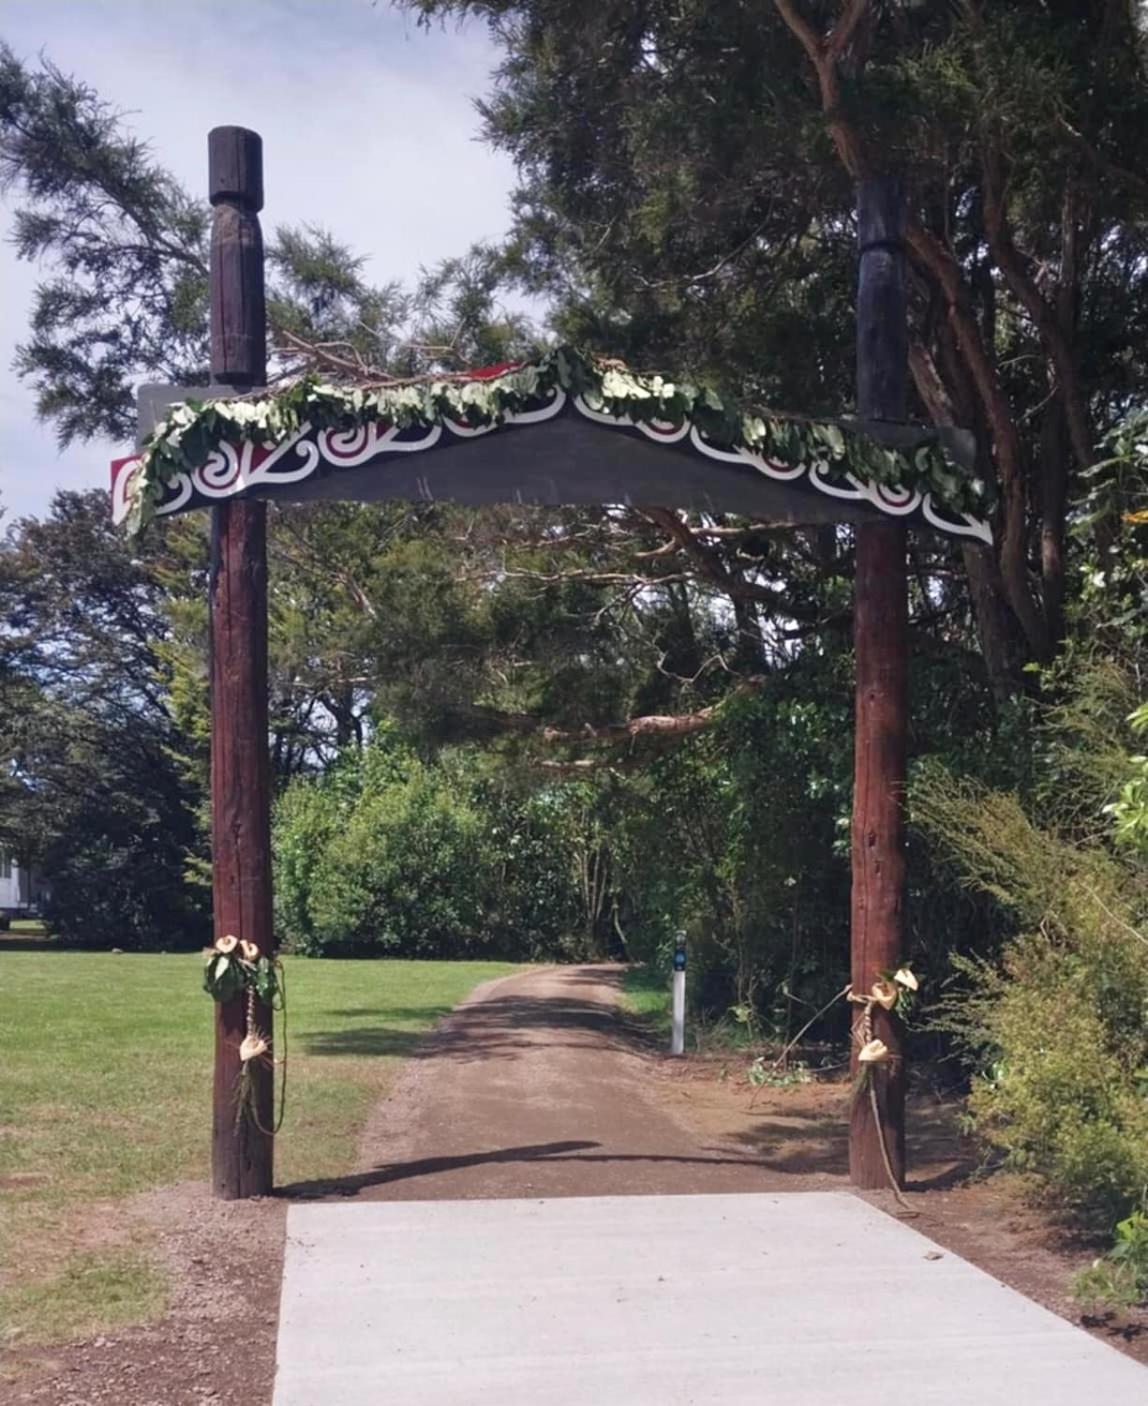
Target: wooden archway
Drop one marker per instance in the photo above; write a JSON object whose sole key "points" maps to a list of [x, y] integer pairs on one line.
{"points": [[557, 447]]}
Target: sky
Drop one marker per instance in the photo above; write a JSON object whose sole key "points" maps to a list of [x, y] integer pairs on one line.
{"points": [[368, 128]]}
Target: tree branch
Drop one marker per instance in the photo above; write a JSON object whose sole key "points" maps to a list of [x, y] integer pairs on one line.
{"points": [[931, 254], [845, 28], [1017, 271], [825, 58], [802, 30], [730, 583], [940, 262], [651, 725], [1104, 164]]}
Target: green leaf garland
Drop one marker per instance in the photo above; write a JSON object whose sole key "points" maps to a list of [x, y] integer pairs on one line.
{"points": [[194, 429], [228, 974]]}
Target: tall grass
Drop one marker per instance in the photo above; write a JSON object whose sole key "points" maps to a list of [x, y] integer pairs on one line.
{"points": [[1056, 1029]]}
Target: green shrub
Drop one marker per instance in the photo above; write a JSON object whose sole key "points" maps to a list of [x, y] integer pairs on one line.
{"points": [[307, 816], [1120, 1278], [388, 855], [380, 858], [532, 909], [1129, 811], [1057, 1030], [404, 874]]}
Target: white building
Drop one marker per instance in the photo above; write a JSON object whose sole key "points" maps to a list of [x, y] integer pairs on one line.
{"points": [[18, 888]]}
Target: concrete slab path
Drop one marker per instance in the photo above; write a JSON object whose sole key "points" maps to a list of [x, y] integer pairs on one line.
{"points": [[799, 1299], [456, 1272]]}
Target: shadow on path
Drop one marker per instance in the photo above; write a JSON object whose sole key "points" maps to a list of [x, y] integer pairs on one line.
{"points": [[550, 1152], [495, 1029]]}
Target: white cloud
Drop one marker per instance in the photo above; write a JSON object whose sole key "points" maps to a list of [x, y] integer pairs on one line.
{"points": [[368, 127]]}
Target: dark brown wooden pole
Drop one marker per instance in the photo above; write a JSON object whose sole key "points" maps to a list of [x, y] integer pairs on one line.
{"points": [[241, 1160], [880, 634]]}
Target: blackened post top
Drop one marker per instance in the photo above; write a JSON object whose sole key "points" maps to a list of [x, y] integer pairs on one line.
{"points": [[882, 322], [235, 167], [238, 307], [881, 213]]}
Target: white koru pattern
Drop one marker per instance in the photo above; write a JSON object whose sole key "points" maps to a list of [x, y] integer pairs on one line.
{"points": [[236, 468]]}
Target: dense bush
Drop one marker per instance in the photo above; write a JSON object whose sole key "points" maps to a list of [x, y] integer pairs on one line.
{"points": [[1057, 1029], [736, 836], [534, 853], [117, 854], [388, 855]]}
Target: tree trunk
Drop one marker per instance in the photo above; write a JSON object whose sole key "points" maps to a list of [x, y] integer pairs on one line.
{"points": [[997, 633], [1054, 452], [992, 618]]}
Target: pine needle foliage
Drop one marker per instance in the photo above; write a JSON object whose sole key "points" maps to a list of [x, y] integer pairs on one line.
{"points": [[1057, 1030]]}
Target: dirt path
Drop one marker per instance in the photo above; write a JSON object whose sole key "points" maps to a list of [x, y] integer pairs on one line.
{"points": [[538, 1085]]}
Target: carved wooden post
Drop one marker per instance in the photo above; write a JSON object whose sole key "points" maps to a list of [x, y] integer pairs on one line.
{"points": [[880, 635], [242, 1163]]}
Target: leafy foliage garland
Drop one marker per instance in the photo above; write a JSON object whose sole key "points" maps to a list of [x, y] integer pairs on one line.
{"points": [[193, 430], [232, 967]]}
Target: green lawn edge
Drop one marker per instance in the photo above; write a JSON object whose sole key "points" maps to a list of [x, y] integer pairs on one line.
{"points": [[106, 1093], [646, 996]]}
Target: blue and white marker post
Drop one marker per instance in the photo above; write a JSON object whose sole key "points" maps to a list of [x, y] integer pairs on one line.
{"points": [[678, 1037]]}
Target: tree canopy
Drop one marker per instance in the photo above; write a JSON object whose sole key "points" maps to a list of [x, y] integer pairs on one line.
{"points": [[687, 188]]}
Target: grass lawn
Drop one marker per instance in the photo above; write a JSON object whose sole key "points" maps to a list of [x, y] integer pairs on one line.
{"points": [[646, 992], [105, 1090], [28, 927]]}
